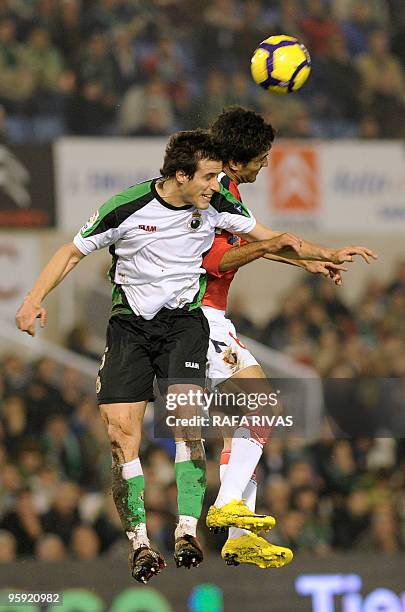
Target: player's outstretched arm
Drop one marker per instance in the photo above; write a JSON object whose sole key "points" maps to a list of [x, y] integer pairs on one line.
{"points": [[310, 250], [326, 268], [234, 258], [307, 250], [62, 262], [347, 253]]}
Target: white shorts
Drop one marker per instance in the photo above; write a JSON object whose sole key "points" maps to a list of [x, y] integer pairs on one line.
{"points": [[226, 354]]}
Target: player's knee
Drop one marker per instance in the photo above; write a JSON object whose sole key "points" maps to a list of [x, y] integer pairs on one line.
{"points": [[123, 434]]}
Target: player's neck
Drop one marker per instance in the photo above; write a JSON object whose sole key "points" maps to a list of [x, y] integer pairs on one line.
{"points": [[170, 192], [231, 174]]}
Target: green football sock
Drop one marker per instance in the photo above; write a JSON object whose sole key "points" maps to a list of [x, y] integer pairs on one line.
{"points": [[191, 484], [128, 498]]}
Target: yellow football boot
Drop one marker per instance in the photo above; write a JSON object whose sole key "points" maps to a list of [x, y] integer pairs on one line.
{"points": [[236, 514], [253, 549]]}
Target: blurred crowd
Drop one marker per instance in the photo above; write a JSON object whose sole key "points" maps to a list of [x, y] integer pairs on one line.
{"points": [[338, 493], [149, 67], [316, 326]]}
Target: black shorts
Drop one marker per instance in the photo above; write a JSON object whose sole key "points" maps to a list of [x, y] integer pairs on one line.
{"points": [[173, 345]]}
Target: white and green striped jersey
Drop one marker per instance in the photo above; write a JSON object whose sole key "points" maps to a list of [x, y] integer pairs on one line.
{"points": [[157, 248]]}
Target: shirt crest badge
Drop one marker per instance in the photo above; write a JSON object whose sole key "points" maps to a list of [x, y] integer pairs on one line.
{"points": [[195, 222]]}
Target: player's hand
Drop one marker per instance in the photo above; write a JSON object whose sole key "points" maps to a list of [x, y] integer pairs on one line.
{"points": [[327, 269], [284, 241], [346, 254], [27, 315]]}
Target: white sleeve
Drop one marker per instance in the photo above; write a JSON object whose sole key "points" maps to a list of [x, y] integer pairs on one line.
{"points": [[88, 244], [101, 230], [230, 213], [235, 223]]}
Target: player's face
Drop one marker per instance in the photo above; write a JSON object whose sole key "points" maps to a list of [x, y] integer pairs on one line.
{"points": [[247, 173], [199, 189]]}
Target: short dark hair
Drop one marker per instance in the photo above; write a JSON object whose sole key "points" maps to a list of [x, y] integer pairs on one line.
{"points": [[243, 134], [185, 149]]}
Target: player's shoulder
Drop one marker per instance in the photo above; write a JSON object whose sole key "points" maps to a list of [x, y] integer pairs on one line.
{"points": [[227, 199], [131, 200], [228, 184], [119, 208], [136, 195]]}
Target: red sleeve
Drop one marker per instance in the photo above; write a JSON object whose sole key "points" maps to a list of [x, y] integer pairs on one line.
{"points": [[214, 256]]}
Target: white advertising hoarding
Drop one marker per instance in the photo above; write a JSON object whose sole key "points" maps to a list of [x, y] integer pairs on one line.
{"points": [[19, 267], [91, 170], [338, 187]]}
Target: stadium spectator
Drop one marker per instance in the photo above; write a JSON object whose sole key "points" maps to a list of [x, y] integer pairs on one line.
{"points": [[398, 38], [289, 530], [10, 485], [358, 27], [316, 534], [52, 85], [277, 496], [254, 27], [166, 62], [69, 31], [15, 373], [214, 97], [29, 458], [45, 14], [107, 524], [385, 532], [14, 421], [24, 522], [64, 514], [50, 548], [8, 547], [84, 543], [126, 59], [379, 11], [317, 27], [139, 99], [17, 83], [336, 82], [378, 62], [44, 483], [221, 23], [289, 18], [240, 90], [153, 124], [43, 60], [351, 521]]}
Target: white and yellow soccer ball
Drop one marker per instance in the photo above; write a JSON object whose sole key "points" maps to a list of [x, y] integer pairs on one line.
{"points": [[281, 64]]}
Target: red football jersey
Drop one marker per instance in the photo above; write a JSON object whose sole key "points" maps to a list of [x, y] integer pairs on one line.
{"points": [[218, 283]]}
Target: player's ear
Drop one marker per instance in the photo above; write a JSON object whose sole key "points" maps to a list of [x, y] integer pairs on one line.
{"points": [[233, 165], [181, 177]]}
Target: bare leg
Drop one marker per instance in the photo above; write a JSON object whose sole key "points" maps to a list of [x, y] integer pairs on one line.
{"points": [[124, 427]]}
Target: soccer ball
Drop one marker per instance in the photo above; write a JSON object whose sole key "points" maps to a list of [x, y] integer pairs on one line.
{"points": [[281, 64]]}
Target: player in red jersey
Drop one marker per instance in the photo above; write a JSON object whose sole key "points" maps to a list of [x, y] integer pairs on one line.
{"points": [[247, 141]]}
